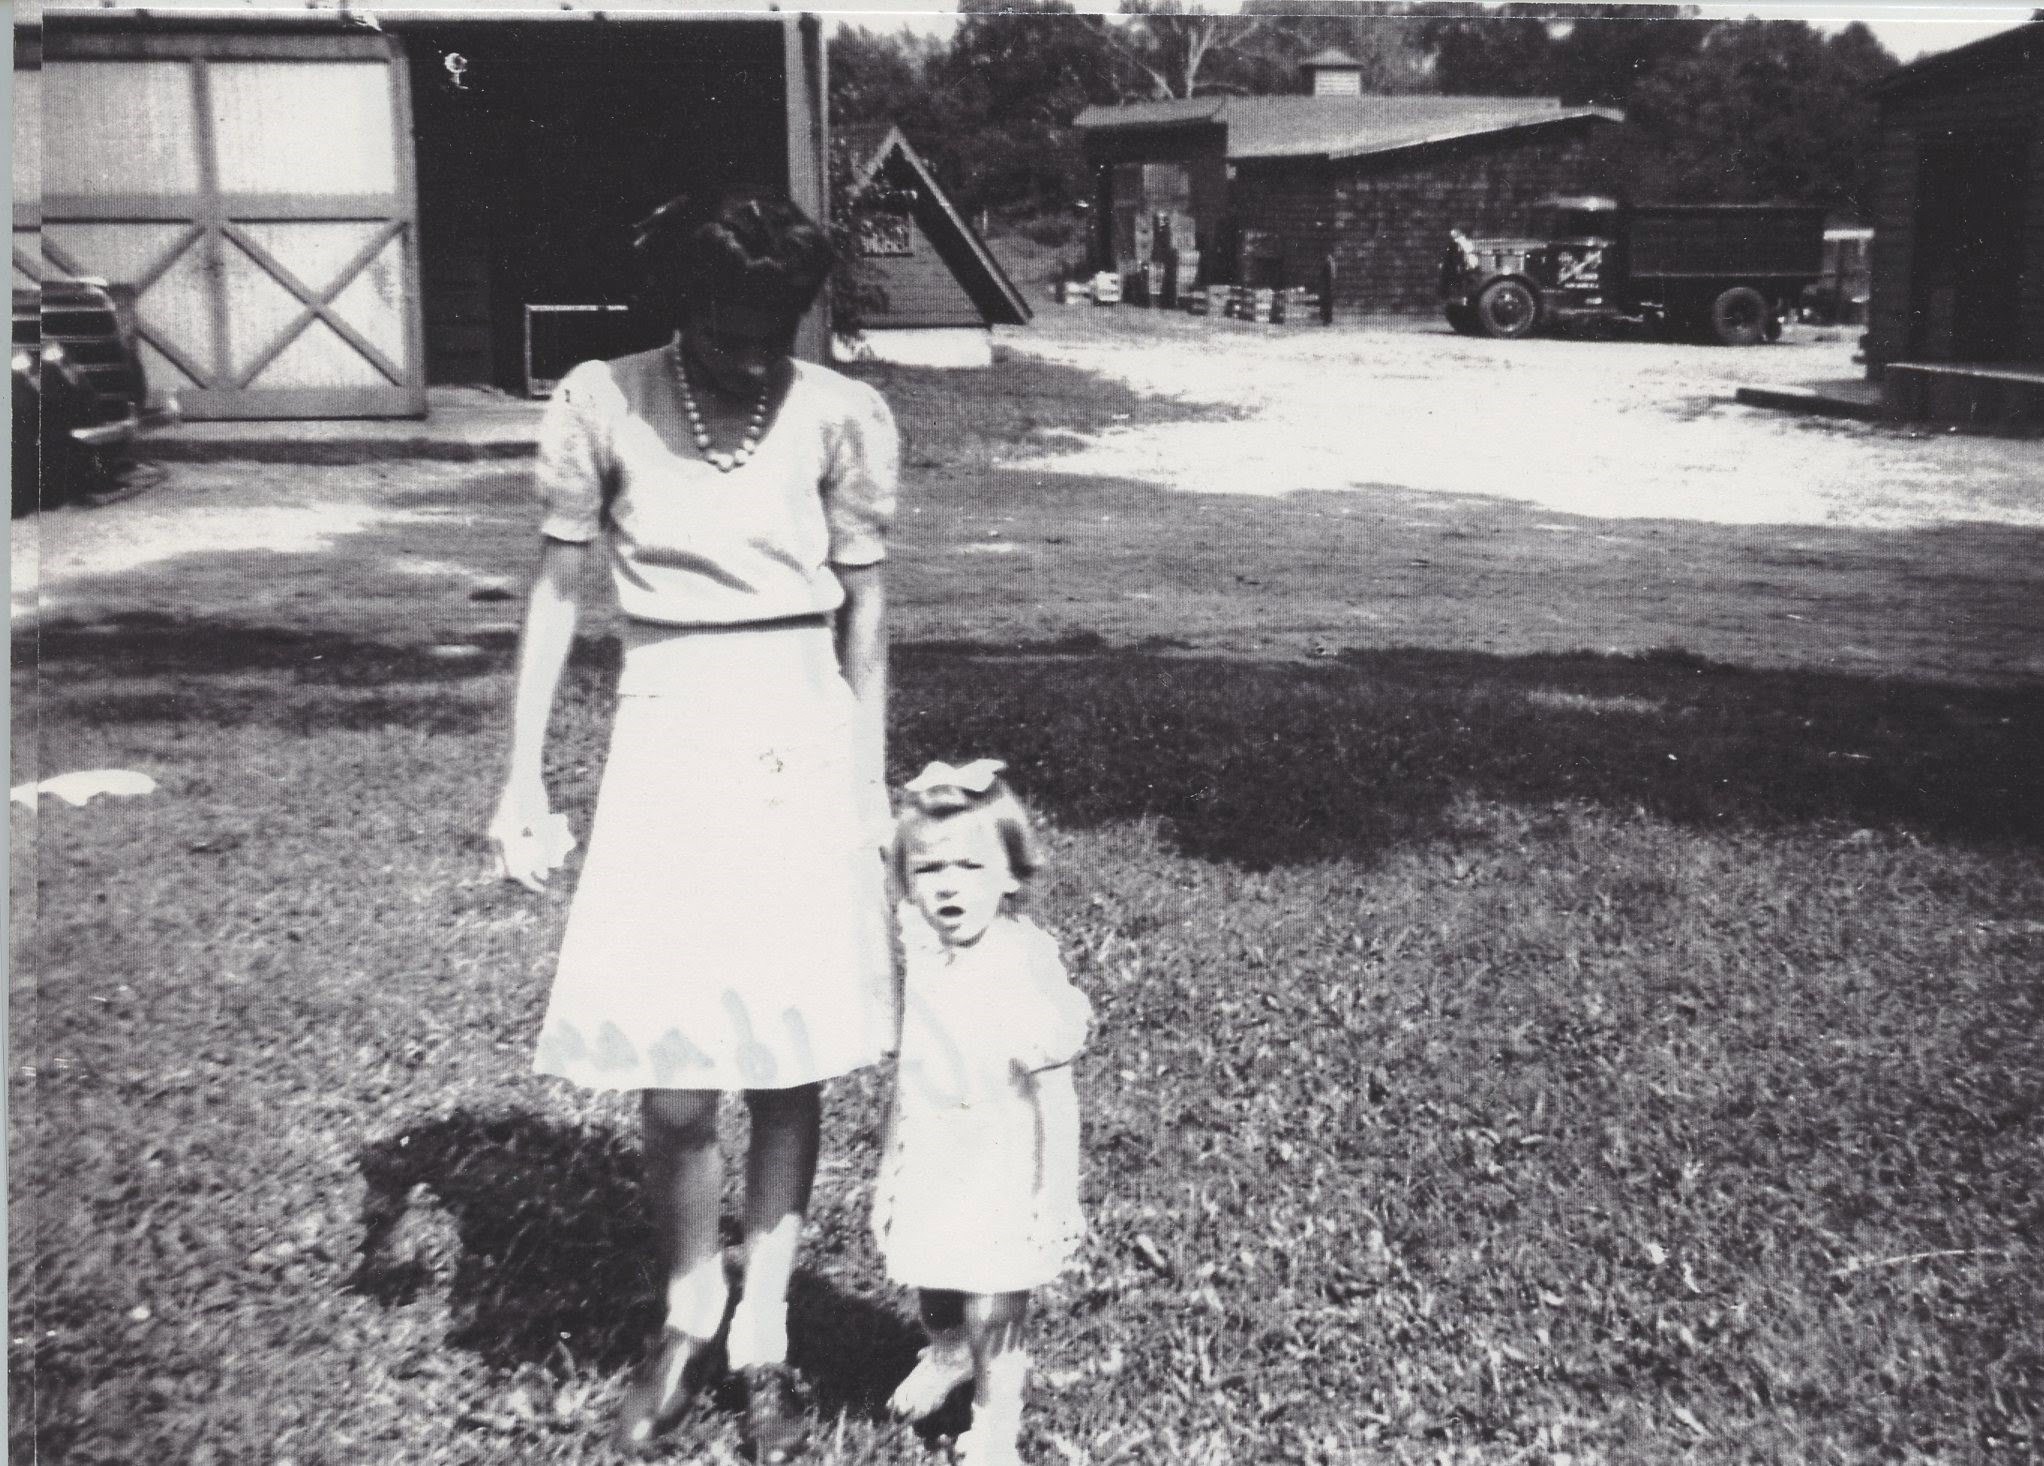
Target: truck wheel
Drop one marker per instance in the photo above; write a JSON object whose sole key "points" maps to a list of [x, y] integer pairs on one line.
{"points": [[1507, 309], [1739, 316], [1462, 319]]}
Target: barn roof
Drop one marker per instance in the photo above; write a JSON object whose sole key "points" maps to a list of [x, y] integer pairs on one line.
{"points": [[2018, 50], [981, 275], [1340, 127]]}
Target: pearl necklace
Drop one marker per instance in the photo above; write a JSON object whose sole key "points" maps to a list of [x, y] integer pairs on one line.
{"points": [[755, 427]]}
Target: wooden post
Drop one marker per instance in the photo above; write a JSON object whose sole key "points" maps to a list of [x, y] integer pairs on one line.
{"points": [[808, 160]]}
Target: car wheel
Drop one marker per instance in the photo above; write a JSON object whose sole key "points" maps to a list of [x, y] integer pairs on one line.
{"points": [[1507, 309], [1739, 316]]}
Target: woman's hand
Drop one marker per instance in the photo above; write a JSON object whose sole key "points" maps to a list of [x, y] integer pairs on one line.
{"points": [[529, 842]]}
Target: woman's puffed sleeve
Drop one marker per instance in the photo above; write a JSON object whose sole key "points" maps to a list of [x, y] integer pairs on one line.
{"points": [[859, 480], [575, 464]]}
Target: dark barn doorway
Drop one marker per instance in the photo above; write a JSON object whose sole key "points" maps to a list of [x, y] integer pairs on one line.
{"points": [[1968, 274], [539, 144]]}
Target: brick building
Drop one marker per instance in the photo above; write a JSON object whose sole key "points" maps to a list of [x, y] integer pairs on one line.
{"points": [[1957, 312], [1270, 188]]}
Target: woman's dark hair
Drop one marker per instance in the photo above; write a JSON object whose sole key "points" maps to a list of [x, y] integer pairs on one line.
{"points": [[747, 247]]}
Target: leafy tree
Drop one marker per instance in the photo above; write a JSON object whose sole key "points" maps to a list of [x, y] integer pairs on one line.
{"points": [[1583, 54], [1603, 51], [1167, 46], [876, 78], [1765, 109], [1387, 38], [1509, 51], [1002, 101]]}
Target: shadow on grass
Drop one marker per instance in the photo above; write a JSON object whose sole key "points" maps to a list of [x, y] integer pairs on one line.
{"points": [[1256, 764], [1266, 765], [536, 1231]]}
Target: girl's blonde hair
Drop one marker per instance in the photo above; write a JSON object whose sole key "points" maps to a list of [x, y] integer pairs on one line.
{"points": [[941, 792]]}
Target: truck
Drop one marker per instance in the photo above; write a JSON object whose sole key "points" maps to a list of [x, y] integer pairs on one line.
{"points": [[1729, 273]]}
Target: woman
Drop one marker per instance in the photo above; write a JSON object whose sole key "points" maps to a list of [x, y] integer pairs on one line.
{"points": [[728, 930]]}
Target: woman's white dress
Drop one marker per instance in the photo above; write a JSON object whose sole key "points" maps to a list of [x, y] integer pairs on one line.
{"points": [[978, 1190], [728, 929]]}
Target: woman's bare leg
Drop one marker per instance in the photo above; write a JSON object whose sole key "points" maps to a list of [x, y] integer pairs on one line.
{"points": [[780, 1168], [684, 1191]]}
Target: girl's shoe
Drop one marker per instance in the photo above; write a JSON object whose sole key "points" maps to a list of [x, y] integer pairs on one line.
{"points": [[986, 1446], [661, 1392], [775, 1428], [943, 1366], [996, 1414]]}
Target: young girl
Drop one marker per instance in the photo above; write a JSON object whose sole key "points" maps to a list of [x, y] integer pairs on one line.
{"points": [[978, 1198]]}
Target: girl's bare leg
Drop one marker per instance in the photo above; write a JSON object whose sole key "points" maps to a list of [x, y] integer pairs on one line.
{"points": [[944, 1364], [993, 1323], [780, 1168]]}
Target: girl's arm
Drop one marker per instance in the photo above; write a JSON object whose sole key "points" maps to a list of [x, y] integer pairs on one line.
{"points": [[519, 828], [1058, 1015], [862, 656]]}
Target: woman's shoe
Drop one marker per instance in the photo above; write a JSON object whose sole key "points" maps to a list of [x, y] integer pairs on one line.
{"points": [[943, 1367], [775, 1427], [659, 1395]]}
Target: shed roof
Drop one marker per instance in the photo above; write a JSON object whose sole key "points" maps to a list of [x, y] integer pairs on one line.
{"points": [[2017, 50], [981, 275], [1340, 127]]}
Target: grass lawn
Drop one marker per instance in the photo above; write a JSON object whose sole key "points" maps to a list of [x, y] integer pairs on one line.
{"points": [[1508, 1050]]}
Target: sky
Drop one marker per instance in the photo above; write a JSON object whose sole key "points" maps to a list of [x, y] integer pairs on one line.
{"points": [[1907, 29]]}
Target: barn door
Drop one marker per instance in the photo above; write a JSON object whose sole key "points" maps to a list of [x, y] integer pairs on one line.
{"points": [[257, 192]]}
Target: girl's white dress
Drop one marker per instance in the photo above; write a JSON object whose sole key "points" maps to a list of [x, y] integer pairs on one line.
{"points": [[729, 927], [979, 1181]]}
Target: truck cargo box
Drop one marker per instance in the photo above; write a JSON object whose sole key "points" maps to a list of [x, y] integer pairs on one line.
{"points": [[1751, 241]]}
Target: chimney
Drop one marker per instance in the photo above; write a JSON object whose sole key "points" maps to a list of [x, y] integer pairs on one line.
{"points": [[1333, 74]]}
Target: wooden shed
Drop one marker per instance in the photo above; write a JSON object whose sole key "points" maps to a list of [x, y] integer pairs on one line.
{"points": [[1955, 327], [934, 289], [1271, 188], [323, 212]]}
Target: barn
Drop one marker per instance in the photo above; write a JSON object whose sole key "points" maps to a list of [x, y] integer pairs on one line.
{"points": [[1269, 189], [1955, 327], [324, 212], [932, 289]]}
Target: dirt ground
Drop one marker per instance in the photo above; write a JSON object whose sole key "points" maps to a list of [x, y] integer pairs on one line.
{"points": [[1361, 486], [1610, 429]]}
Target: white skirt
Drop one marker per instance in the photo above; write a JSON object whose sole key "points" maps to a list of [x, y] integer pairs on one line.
{"points": [[729, 930]]}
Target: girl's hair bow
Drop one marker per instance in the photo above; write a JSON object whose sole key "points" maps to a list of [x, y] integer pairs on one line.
{"points": [[976, 777]]}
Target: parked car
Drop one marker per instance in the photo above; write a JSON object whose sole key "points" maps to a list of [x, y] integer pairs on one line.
{"points": [[80, 393], [1724, 272]]}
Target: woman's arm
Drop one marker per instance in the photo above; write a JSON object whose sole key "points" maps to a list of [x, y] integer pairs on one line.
{"points": [[862, 656], [518, 829]]}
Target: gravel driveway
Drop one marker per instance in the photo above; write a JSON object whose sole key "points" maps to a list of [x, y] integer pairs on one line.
{"points": [[1609, 429], [1606, 429]]}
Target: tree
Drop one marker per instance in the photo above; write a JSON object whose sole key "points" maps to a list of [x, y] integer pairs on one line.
{"points": [[1386, 37], [1505, 52], [1002, 101], [877, 78], [1166, 44], [1765, 109], [1603, 51]]}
